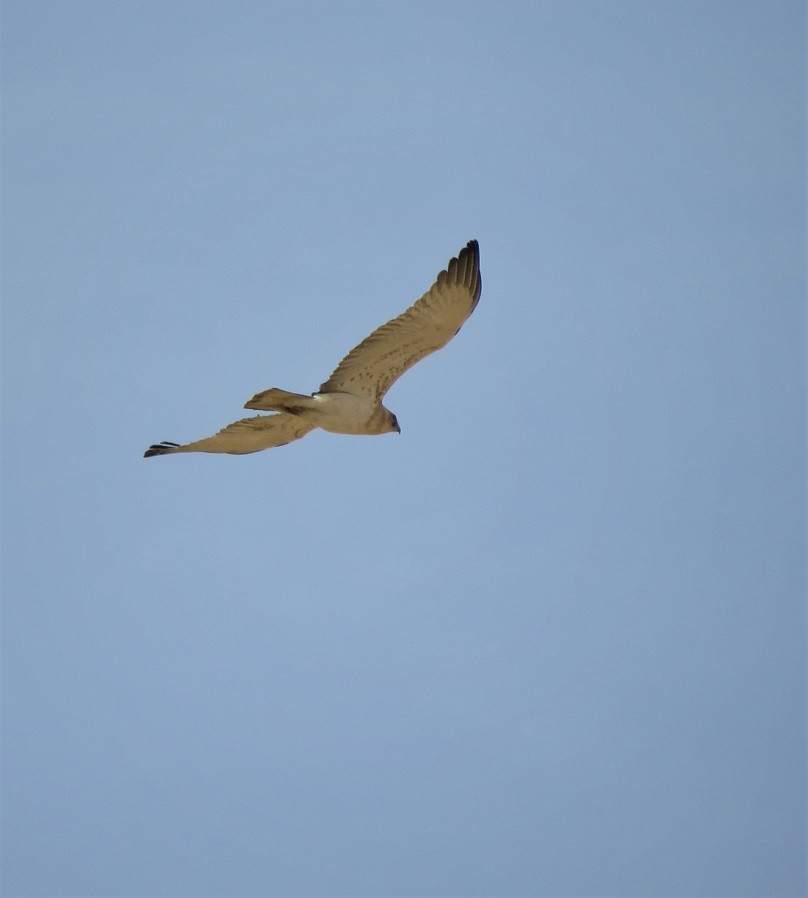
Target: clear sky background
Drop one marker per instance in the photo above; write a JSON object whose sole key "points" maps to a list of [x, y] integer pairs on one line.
{"points": [[550, 640]]}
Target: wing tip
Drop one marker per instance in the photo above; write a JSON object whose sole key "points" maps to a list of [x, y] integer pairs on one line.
{"points": [[164, 448], [464, 269]]}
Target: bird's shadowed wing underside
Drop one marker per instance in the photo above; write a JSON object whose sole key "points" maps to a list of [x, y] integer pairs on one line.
{"points": [[428, 324], [244, 436]]}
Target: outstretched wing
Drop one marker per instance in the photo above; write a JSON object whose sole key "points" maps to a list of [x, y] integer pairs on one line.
{"points": [[243, 437], [428, 324]]}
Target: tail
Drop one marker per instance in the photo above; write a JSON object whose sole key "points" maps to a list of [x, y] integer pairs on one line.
{"points": [[277, 400]]}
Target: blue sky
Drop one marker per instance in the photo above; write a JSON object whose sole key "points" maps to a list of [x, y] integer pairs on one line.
{"points": [[550, 641]]}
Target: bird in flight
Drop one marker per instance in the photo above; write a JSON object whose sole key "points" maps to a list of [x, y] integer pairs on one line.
{"points": [[350, 401]]}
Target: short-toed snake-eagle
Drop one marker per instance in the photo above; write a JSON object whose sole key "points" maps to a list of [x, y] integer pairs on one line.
{"points": [[350, 401]]}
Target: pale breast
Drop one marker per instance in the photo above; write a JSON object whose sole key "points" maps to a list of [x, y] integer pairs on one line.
{"points": [[346, 413]]}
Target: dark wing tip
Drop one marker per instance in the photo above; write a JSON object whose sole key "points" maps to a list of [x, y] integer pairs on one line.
{"points": [[465, 269], [161, 449]]}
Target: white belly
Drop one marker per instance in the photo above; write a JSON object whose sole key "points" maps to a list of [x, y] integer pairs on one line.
{"points": [[344, 412]]}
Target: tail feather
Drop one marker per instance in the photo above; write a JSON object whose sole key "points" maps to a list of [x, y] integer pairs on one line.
{"points": [[277, 400]]}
